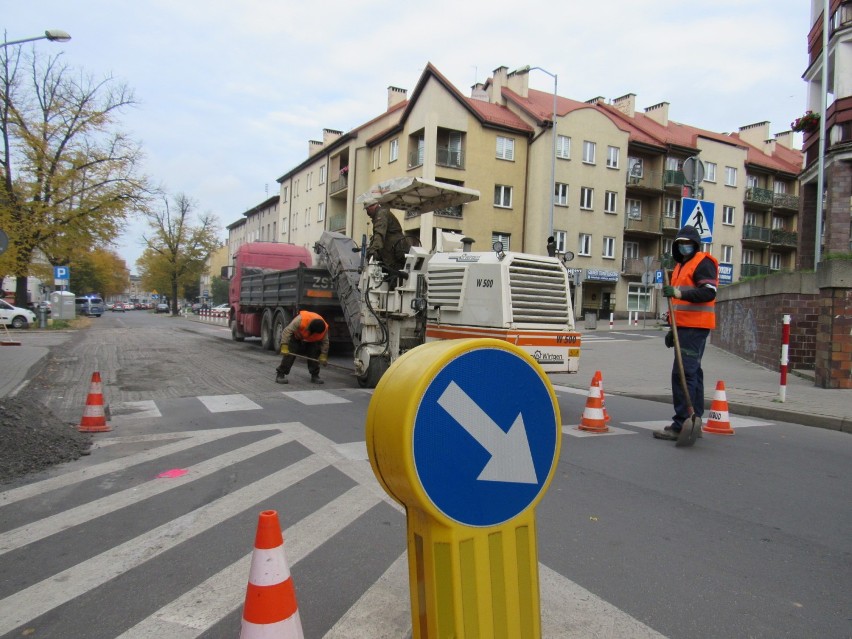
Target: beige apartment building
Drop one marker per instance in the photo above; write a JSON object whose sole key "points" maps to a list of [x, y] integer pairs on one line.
{"points": [[617, 182]]}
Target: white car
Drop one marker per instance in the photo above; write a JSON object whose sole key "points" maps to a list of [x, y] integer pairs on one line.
{"points": [[220, 310], [14, 316]]}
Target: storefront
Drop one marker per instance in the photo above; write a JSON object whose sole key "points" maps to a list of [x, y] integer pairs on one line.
{"points": [[598, 292]]}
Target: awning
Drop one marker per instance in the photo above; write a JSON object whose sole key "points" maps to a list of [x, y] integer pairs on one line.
{"points": [[418, 195]]}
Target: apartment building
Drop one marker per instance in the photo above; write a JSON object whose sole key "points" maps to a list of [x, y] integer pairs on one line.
{"points": [[617, 185], [834, 84]]}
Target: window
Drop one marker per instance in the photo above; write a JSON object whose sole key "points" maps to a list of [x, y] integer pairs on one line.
{"points": [[584, 246], [780, 187], [505, 148], [672, 208], [608, 248], [563, 147], [284, 191], [673, 164], [636, 168], [631, 250], [777, 223], [588, 152], [308, 216], [748, 256], [503, 196], [505, 238], [560, 194], [560, 237], [376, 158], [587, 198], [309, 181], [750, 219], [296, 188], [751, 181], [610, 202], [393, 151], [728, 215], [710, 171], [612, 153], [775, 261], [634, 209], [322, 174], [320, 211], [639, 297], [295, 221], [667, 246], [727, 254], [285, 226], [415, 157], [730, 176]]}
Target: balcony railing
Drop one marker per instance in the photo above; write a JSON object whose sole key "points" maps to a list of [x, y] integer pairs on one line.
{"points": [[780, 237], [648, 180], [632, 266], [755, 195], [785, 201], [449, 211], [453, 158], [645, 222], [415, 158], [673, 178], [338, 185], [750, 270], [756, 233]]}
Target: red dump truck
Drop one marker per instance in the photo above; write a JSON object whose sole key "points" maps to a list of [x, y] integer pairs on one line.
{"points": [[269, 283]]}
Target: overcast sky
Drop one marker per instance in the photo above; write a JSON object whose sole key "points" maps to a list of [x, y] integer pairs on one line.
{"points": [[231, 92]]}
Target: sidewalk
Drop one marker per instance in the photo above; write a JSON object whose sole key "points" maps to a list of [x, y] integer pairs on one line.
{"points": [[633, 367], [642, 368]]}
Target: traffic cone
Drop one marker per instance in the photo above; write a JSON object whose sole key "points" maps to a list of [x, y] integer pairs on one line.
{"points": [[94, 417], [599, 377], [270, 610], [594, 420], [719, 422]]}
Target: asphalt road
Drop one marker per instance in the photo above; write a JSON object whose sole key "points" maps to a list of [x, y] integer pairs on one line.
{"points": [[744, 536]]}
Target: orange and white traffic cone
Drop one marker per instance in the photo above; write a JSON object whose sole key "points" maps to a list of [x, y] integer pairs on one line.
{"points": [[94, 417], [719, 421], [599, 377], [270, 610], [594, 420]]}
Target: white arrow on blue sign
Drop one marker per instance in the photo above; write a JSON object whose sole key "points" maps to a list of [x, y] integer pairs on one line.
{"points": [[485, 437], [700, 214]]}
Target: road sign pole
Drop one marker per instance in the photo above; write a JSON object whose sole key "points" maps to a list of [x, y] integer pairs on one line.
{"points": [[466, 435]]}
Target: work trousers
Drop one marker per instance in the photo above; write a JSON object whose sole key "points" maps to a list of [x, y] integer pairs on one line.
{"points": [[692, 342], [298, 347]]}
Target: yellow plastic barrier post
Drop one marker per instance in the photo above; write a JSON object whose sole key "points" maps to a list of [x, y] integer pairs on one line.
{"points": [[465, 434]]}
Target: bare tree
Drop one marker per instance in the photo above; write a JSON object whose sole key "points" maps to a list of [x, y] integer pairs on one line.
{"points": [[177, 247], [70, 177]]}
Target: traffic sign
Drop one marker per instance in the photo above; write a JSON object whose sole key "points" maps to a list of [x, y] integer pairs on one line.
{"points": [[647, 278], [61, 274], [700, 214], [658, 277]]}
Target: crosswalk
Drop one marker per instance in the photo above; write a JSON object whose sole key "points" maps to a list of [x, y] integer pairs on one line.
{"points": [[117, 546]]}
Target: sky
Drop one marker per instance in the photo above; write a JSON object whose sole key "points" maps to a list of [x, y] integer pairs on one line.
{"points": [[230, 92]]}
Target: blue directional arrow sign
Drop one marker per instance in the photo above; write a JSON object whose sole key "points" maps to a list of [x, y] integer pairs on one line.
{"points": [[485, 437], [700, 214]]}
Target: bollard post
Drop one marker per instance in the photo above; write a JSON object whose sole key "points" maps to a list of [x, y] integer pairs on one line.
{"points": [[785, 349], [611, 318]]}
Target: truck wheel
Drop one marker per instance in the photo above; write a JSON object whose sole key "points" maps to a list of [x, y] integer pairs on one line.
{"points": [[19, 321], [375, 369], [282, 318], [236, 334], [266, 334]]}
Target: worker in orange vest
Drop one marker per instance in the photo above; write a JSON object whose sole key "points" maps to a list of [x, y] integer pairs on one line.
{"points": [[306, 335], [693, 292]]}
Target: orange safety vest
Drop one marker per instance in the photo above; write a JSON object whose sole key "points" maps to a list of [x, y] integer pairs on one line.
{"points": [[692, 314], [302, 332]]}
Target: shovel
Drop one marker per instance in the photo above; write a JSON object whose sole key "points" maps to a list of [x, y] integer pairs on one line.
{"points": [[311, 359], [688, 432]]}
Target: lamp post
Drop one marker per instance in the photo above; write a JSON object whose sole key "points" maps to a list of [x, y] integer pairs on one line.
{"points": [[54, 35], [527, 69]]}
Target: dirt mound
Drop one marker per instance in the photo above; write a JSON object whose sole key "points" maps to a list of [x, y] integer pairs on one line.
{"points": [[33, 439]]}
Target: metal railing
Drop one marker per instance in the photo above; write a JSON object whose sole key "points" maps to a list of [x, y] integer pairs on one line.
{"points": [[750, 270], [673, 178], [415, 158], [453, 158], [784, 238], [338, 185], [785, 201], [756, 233], [648, 180], [646, 221], [755, 195]]}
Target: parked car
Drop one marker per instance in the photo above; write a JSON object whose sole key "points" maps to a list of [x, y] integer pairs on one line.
{"points": [[90, 305], [118, 307], [220, 310], [15, 316], [162, 307]]}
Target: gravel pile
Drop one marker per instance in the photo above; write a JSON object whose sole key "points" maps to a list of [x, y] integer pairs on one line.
{"points": [[33, 439]]}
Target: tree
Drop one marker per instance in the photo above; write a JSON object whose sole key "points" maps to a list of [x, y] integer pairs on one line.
{"points": [[70, 178], [177, 249], [218, 290]]}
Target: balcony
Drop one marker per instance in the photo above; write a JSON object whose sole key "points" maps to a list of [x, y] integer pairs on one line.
{"points": [[780, 238], [758, 197], [338, 186], [648, 181], [337, 222], [785, 201], [415, 158], [751, 270], [756, 234], [671, 223], [453, 158], [644, 223], [632, 266], [673, 179], [454, 212]]}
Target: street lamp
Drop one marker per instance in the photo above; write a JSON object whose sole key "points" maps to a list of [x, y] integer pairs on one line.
{"points": [[54, 35], [527, 69]]}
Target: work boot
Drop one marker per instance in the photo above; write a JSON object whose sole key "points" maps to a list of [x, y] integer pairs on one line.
{"points": [[668, 433], [281, 379], [315, 379]]}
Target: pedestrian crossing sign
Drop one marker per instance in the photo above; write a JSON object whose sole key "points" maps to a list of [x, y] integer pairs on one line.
{"points": [[700, 214]]}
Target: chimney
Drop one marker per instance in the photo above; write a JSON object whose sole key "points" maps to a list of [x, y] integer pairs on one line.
{"points": [[313, 147], [498, 79], [519, 81], [626, 104], [755, 134], [785, 139], [395, 96], [329, 136], [596, 100], [478, 92], [659, 113]]}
